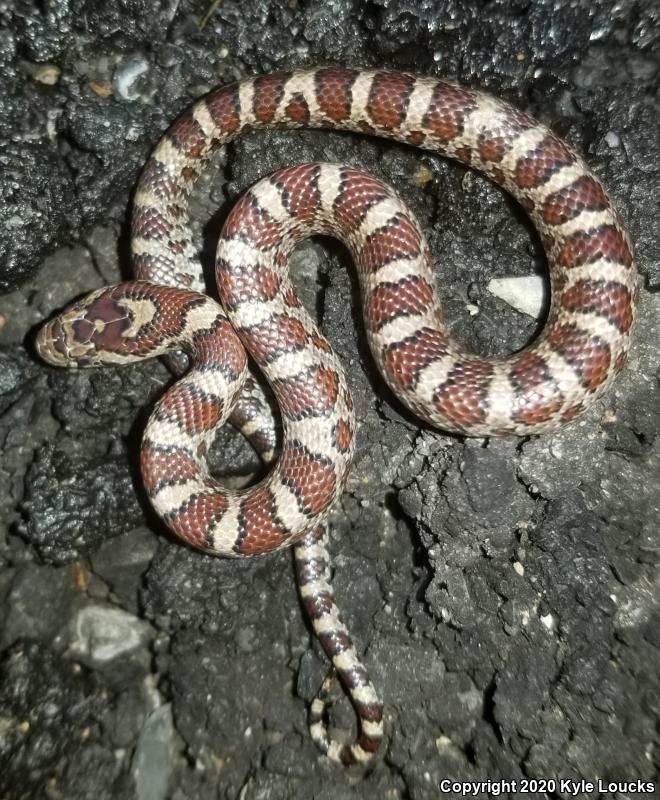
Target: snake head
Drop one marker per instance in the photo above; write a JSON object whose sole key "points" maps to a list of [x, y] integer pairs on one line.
{"points": [[92, 331]]}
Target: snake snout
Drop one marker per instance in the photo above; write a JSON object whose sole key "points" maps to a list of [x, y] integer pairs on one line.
{"points": [[51, 344]]}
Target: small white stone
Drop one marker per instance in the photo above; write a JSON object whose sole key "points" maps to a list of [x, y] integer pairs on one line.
{"points": [[518, 568], [525, 294], [101, 633], [609, 416], [549, 621], [47, 74], [126, 75], [613, 140]]}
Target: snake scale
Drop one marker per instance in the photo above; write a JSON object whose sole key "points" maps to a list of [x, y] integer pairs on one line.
{"points": [[581, 349]]}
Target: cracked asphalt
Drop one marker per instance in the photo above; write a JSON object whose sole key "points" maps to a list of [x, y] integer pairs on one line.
{"points": [[504, 593]]}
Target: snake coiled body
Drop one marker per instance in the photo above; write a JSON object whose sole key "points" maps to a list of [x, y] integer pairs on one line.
{"points": [[583, 346]]}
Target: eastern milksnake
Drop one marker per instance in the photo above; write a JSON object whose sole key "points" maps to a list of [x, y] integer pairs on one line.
{"points": [[583, 346]]}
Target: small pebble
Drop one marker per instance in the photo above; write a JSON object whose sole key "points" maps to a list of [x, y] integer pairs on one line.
{"points": [[48, 74], [525, 294], [102, 633], [549, 621], [125, 79], [422, 176], [613, 140], [153, 760], [101, 89]]}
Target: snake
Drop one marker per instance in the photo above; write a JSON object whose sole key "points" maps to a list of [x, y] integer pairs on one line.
{"points": [[259, 322]]}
